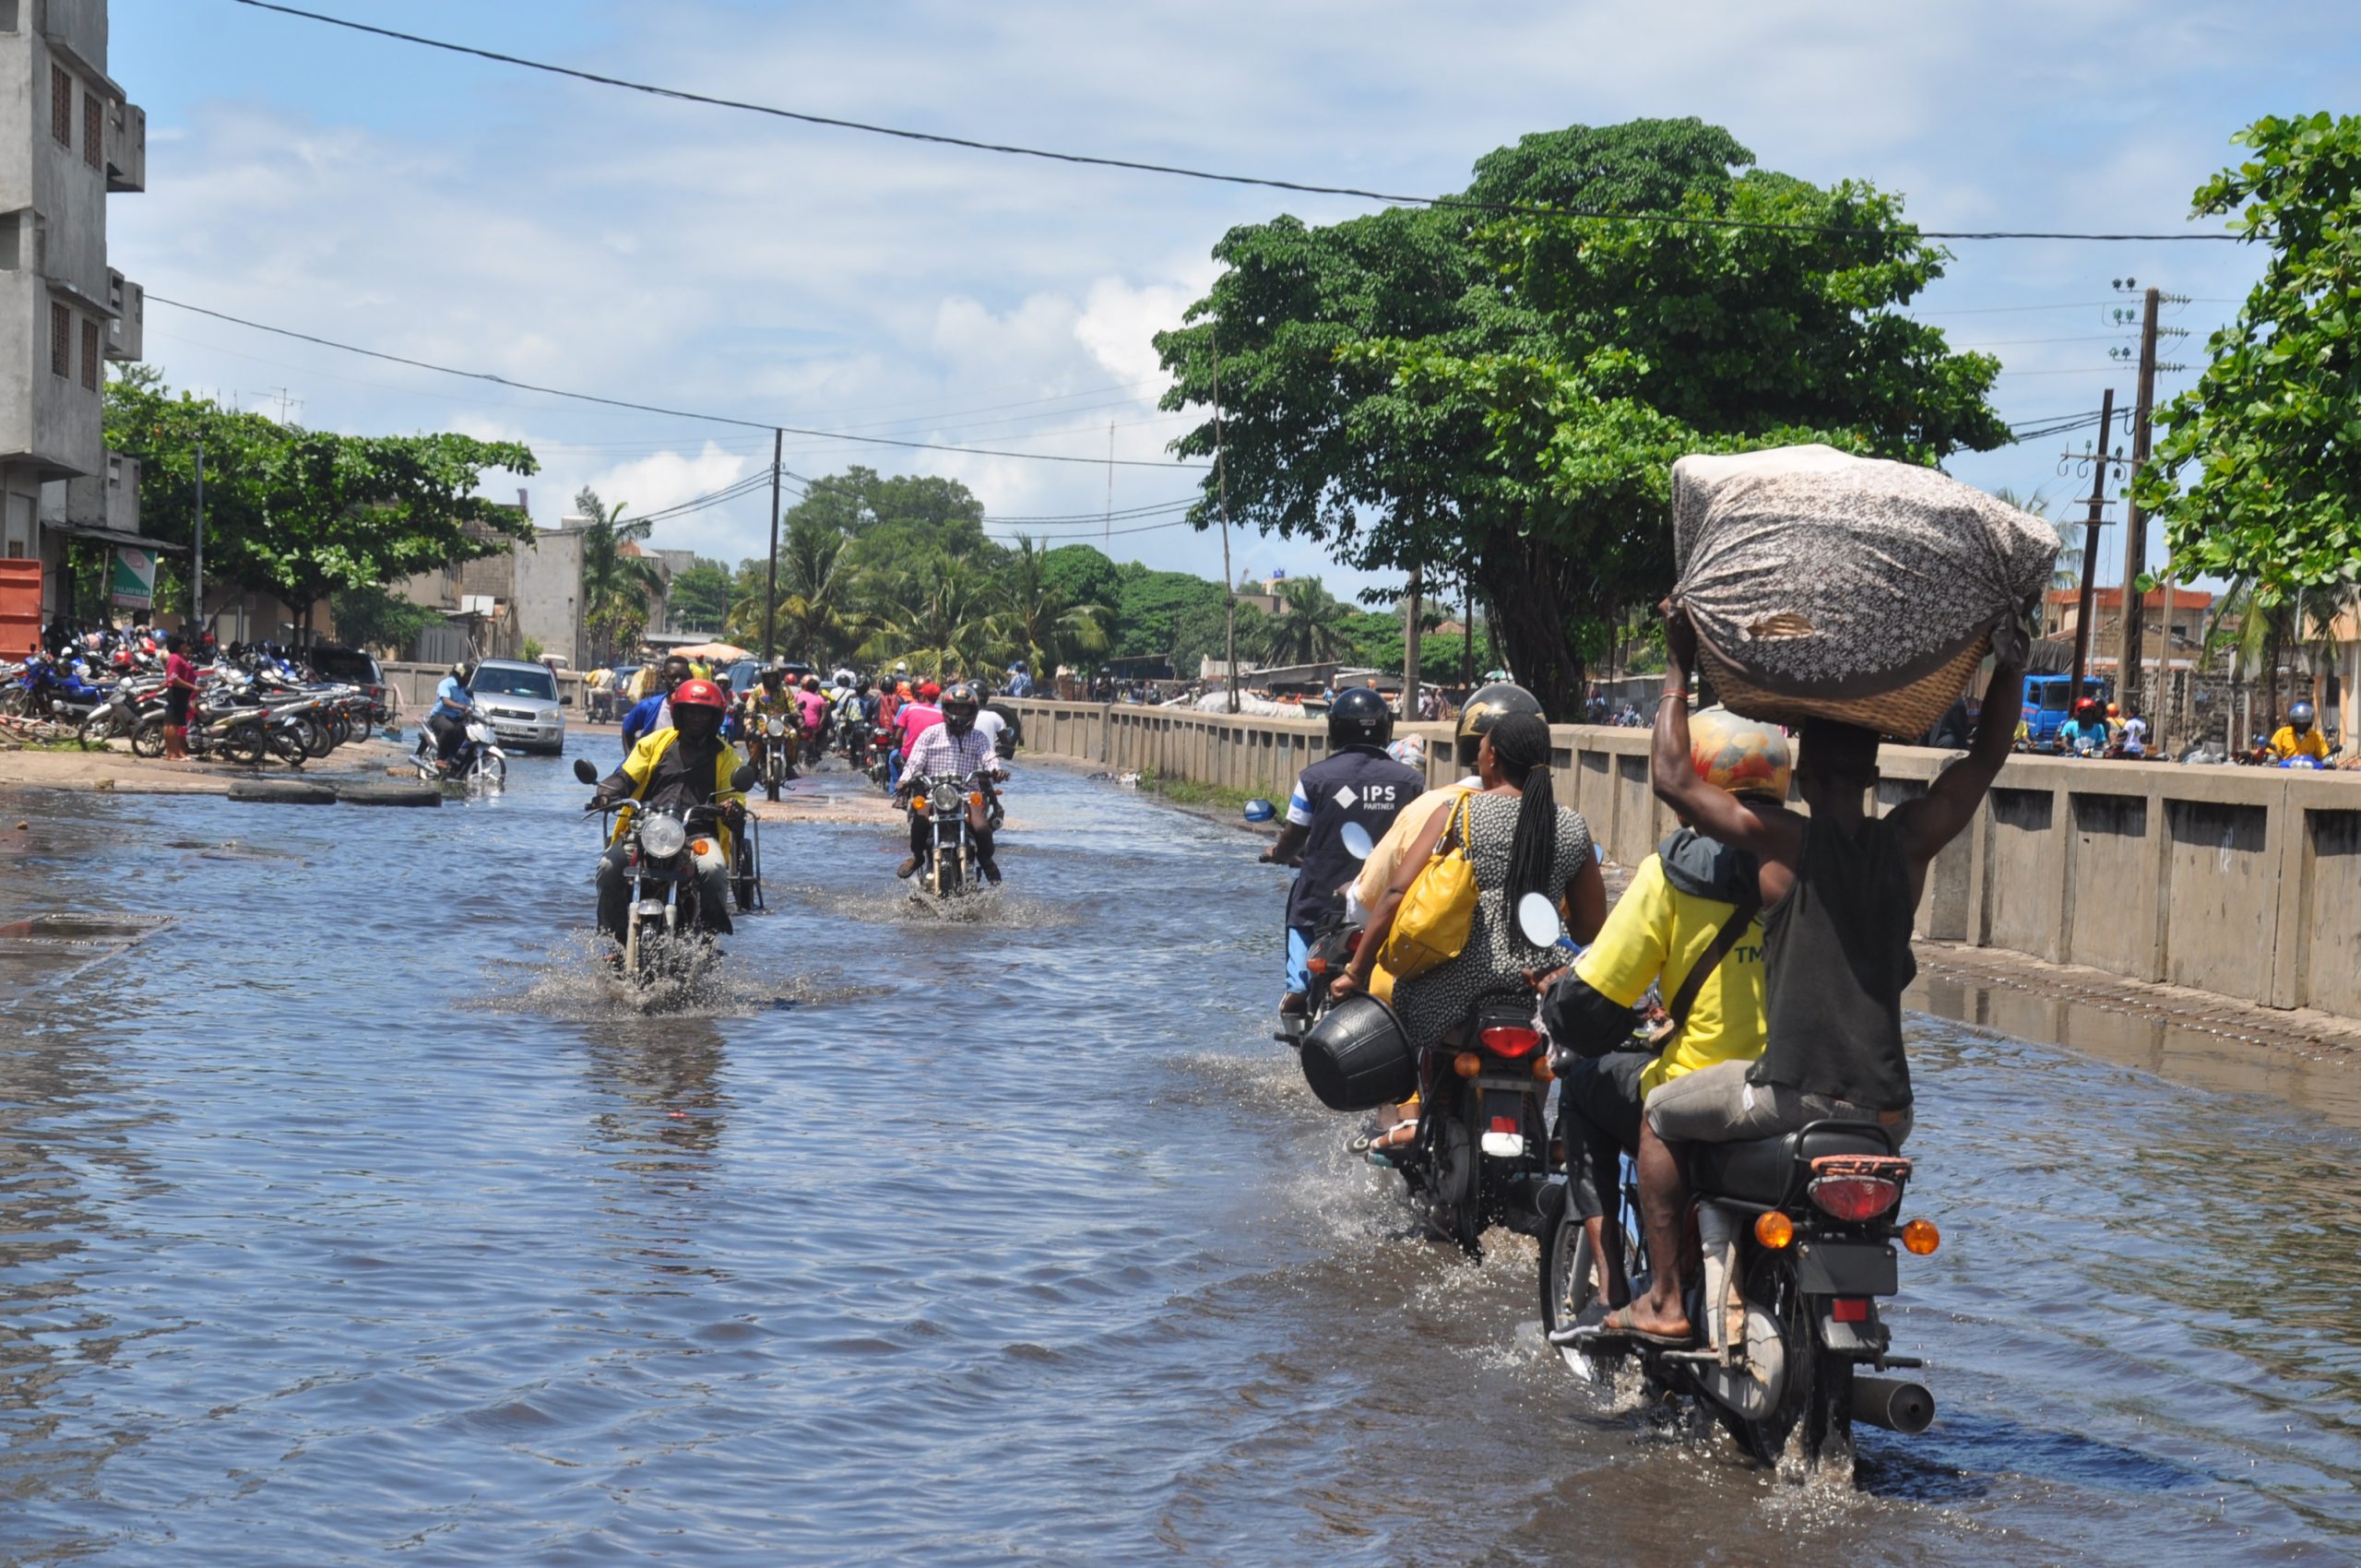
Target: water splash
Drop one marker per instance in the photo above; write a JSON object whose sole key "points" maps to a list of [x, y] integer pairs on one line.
{"points": [[574, 981]]}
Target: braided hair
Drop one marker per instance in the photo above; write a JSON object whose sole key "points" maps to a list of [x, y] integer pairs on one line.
{"points": [[1521, 745]]}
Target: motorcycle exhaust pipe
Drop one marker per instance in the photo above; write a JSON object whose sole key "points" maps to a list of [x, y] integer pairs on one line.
{"points": [[1893, 1403]]}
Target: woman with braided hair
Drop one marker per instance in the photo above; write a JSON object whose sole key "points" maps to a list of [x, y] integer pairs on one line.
{"points": [[1519, 841]]}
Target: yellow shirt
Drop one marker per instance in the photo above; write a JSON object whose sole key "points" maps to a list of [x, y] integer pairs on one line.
{"points": [[640, 768], [1657, 933], [2288, 743]]}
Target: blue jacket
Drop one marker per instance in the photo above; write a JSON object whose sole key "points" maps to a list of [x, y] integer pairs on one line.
{"points": [[645, 718]]}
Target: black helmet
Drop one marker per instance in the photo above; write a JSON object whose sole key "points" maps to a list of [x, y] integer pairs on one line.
{"points": [[2301, 716], [1358, 717], [959, 707], [1484, 708]]}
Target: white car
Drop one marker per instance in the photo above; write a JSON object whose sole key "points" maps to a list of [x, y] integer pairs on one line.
{"points": [[522, 702]]}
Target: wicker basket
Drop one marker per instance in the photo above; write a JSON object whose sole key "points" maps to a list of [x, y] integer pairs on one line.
{"points": [[1906, 713]]}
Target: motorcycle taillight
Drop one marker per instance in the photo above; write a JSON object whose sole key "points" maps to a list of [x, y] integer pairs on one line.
{"points": [[1510, 1041], [1853, 1198]]}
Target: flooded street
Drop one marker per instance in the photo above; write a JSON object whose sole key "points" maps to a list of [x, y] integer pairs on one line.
{"points": [[347, 1219]]}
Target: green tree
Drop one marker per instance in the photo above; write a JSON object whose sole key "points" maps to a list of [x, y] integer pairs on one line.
{"points": [[617, 584], [936, 612], [1313, 625], [820, 614], [1036, 621], [1153, 611], [2259, 474], [699, 597], [370, 617], [1501, 402]]}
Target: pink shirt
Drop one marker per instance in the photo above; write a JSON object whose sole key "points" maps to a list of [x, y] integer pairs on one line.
{"points": [[915, 719], [815, 710]]}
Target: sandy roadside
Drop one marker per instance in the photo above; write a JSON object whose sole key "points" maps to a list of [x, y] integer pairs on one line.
{"points": [[115, 770]]}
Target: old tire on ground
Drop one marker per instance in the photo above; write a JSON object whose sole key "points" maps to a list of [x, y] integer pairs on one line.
{"points": [[389, 794], [282, 792]]}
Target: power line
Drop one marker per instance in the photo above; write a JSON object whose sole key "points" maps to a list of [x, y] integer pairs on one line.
{"points": [[936, 138], [652, 407]]}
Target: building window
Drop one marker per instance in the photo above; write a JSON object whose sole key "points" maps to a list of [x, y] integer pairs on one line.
{"points": [[61, 106], [94, 129], [91, 356], [61, 339]]}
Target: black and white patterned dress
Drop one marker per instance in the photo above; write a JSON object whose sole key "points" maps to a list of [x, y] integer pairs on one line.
{"points": [[1430, 1003]]}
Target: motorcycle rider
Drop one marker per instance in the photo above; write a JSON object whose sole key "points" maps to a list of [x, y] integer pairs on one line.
{"points": [[1677, 912], [2297, 737], [654, 712], [686, 764], [2085, 734], [1838, 887], [1356, 782], [772, 698], [447, 719], [952, 749]]}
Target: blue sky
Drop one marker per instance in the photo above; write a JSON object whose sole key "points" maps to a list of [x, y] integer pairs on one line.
{"points": [[475, 214]]}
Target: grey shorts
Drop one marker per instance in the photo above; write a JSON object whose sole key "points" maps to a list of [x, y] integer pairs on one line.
{"points": [[1717, 1105]]}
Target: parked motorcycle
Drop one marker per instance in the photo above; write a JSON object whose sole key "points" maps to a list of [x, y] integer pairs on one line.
{"points": [[664, 846], [226, 725], [955, 809]]}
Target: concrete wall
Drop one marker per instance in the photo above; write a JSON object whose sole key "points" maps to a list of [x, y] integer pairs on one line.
{"points": [[545, 601], [2244, 881]]}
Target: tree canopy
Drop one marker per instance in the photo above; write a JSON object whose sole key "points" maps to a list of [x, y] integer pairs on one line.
{"points": [[1500, 401], [2259, 474]]}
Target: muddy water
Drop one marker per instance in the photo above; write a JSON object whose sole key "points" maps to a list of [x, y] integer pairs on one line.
{"points": [[347, 1220]]}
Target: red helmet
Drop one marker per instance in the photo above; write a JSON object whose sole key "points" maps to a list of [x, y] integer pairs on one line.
{"points": [[929, 692], [699, 694]]}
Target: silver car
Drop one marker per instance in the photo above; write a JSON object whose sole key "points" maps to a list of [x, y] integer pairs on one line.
{"points": [[523, 704]]}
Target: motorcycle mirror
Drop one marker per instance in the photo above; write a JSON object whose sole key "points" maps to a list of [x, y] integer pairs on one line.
{"points": [[744, 777], [1260, 810], [1536, 917], [1357, 841], [584, 771]]}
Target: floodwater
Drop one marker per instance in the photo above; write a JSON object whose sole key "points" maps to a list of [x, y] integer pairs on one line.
{"points": [[344, 1221]]}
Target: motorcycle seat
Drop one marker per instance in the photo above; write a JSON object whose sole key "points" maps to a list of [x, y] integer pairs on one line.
{"points": [[1762, 1170]]}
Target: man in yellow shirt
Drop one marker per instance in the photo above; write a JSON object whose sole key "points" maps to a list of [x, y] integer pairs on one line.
{"points": [[2297, 738], [1690, 925]]}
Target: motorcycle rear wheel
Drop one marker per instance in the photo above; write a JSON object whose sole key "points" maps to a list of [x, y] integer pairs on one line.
{"points": [[243, 746], [1455, 1174], [317, 741], [1570, 1285], [289, 747], [148, 738], [1816, 1402]]}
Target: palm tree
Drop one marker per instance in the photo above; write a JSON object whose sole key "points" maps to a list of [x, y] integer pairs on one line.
{"points": [[2257, 625], [936, 613], [818, 613], [616, 583], [1036, 618], [1309, 626]]}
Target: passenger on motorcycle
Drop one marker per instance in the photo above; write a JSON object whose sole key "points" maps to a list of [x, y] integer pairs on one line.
{"points": [[911, 719], [1692, 901], [2297, 737], [654, 712], [814, 707], [1356, 782], [687, 764], [2085, 734], [447, 719], [951, 749], [1840, 887], [1518, 840]]}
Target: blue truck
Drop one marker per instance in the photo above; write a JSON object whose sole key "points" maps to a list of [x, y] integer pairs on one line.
{"points": [[2047, 698]]}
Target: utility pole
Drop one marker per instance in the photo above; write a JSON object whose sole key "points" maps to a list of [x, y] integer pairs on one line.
{"points": [[1229, 580], [196, 554], [2098, 460], [1410, 628], [1108, 539], [1468, 637], [770, 595], [2129, 679]]}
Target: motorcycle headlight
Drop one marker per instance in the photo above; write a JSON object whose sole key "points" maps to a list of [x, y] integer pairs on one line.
{"points": [[776, 726], [662, 837], [945, 797]]}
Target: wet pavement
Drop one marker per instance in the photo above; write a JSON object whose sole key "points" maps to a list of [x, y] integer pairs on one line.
{"points": [[347, 1220]]}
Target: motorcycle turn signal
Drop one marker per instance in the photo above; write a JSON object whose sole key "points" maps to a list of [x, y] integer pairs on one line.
{"points": [[1774, 1229], [1919, 1237]]}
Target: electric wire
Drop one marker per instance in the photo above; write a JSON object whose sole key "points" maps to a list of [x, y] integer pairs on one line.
{"points": [[1180, 171], [691, 415]]}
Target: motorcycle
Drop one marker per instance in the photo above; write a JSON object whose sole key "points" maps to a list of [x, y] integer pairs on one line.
{"points": [[955, 808], [121, 712], [226, 723], [664, 849], [478, 763], [1332, 949], [775, 752], [1795, 1238], [854, 732]]}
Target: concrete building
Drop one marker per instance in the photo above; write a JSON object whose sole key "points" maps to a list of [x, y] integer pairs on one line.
{"points": [[68, 137], [495, 604]]}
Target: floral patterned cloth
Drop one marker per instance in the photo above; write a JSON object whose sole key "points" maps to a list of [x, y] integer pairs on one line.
{"points": [[1821, 573]]}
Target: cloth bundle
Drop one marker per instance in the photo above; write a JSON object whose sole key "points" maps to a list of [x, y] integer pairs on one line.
{"points": [[1829, 586]]}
